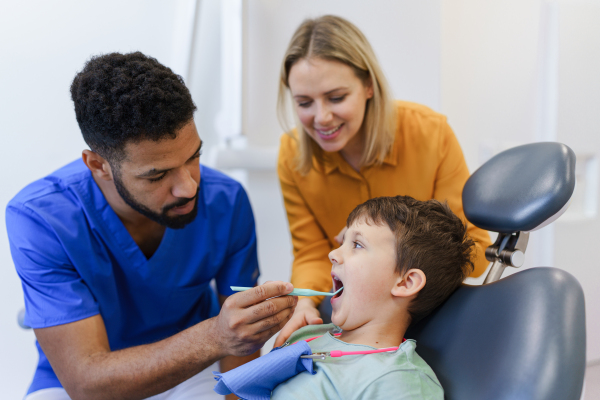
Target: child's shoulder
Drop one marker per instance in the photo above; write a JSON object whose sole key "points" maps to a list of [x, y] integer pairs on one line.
{"points": [[311, 331]]}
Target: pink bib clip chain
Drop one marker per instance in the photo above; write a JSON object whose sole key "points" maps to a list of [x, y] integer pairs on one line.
{"points": [[339, 353]]}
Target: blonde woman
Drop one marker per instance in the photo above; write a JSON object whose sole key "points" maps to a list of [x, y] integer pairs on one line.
{"points": [[353, 142]]}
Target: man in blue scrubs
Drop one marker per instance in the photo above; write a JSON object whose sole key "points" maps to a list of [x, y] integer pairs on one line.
{"points": [[116, 251]]}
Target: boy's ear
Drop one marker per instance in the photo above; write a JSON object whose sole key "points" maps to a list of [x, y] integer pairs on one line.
{"points": [[97, 164], [410, 284]]}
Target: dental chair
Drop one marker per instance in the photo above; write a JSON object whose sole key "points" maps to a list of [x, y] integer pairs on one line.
{"points": [[521, 337]]}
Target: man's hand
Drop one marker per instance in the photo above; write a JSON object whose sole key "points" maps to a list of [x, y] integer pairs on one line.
{"points": [[248, 319], [306, 314]]}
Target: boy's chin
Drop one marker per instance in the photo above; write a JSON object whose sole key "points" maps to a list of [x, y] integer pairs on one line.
{"points": [[336, 320]]}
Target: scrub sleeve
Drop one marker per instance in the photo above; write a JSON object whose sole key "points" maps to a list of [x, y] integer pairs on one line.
{"points": [[54, 291]]}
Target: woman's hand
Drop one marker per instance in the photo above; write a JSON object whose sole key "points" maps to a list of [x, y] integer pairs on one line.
{"points": [[340, 236], [306, 313]]}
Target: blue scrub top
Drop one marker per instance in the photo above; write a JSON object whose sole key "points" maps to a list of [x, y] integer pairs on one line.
{"points": [[76, 259]]}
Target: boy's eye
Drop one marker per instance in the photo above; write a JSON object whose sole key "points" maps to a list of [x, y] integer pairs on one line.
{"points": [[357, 245]]}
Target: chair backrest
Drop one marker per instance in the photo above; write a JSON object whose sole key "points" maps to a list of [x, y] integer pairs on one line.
{"points": [[521, 188], [522, 337]]}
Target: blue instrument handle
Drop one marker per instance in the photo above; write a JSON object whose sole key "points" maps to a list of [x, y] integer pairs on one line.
{"points": [[295, 292]]}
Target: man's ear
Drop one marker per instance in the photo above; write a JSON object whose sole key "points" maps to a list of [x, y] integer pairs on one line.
{"points": [[410, 284], [97, 164]]}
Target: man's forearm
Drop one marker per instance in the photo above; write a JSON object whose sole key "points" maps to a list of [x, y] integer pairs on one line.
{"points": [[80, 353], [143, 371]]}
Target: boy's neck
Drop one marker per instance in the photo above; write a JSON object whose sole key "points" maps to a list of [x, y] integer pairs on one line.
{"points": [[378, 335]]}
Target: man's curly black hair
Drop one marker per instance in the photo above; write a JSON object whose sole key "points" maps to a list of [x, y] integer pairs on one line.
{"points": [[128, 97]]}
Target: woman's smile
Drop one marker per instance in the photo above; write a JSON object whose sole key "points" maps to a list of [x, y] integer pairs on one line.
{"points": [[329, 134], [330, 101]]}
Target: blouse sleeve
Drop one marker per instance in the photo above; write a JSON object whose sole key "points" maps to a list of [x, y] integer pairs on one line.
{"points": [[451, 178], [311, 268]]}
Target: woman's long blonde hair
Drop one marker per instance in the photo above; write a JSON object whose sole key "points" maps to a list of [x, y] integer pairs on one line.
{"points": [[336, 39]]}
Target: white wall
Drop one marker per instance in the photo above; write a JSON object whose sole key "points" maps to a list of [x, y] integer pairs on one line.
{"points": [[579, 127], [489, 54], [518, 71], [43, 45]]}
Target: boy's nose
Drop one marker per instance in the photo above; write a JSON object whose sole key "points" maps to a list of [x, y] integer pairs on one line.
{"points": [[335, 256]]}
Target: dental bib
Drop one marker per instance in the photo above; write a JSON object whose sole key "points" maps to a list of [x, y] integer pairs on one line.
{"points": [[257, 379]]}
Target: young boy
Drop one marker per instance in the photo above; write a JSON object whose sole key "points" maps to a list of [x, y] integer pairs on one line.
{"points": [[400, 259]]}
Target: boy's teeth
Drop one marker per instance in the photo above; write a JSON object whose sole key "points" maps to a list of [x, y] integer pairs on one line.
{"points": [[337, 286]]}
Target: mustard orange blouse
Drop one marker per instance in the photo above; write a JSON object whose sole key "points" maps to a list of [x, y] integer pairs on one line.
{"points": [[426, 162]]}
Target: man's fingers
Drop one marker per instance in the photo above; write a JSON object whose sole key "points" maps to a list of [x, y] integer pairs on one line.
{"points": [[270, 308], [269, 326], [261, 293]]}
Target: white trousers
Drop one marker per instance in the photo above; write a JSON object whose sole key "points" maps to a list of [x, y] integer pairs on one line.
{"points": [[199, 386]]}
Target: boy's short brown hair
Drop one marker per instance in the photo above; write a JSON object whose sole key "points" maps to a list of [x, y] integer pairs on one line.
{"points": [[429, 237]]}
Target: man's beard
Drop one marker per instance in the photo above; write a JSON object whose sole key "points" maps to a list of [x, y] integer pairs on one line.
{"points": [[162, 218]]}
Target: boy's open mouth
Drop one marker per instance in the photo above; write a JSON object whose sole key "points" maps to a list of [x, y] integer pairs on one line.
{"points": [[337, 284]]}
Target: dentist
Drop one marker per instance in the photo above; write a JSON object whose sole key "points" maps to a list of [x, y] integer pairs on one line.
{"points": [[116, 251]]}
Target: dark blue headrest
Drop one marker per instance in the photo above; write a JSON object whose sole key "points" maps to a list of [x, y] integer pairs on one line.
{"points": [[520, 188]]}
